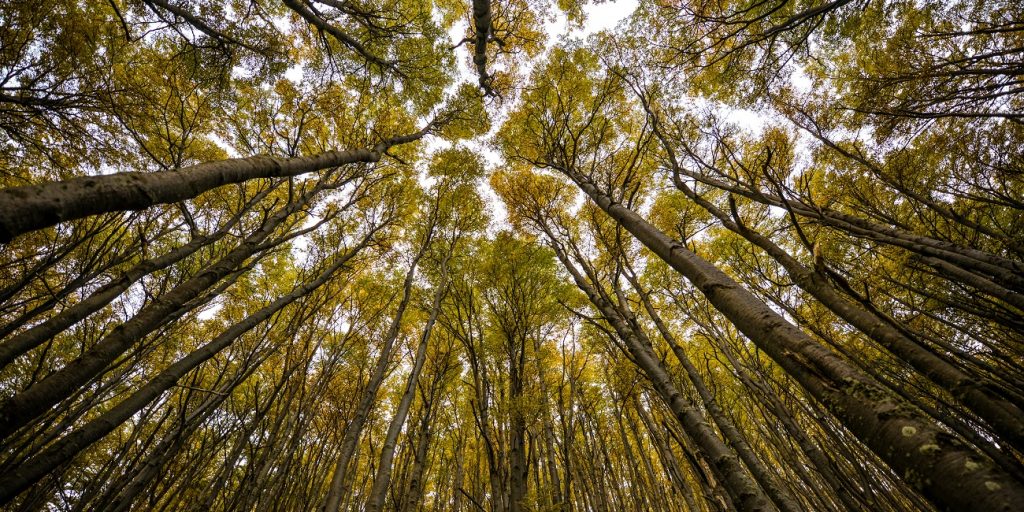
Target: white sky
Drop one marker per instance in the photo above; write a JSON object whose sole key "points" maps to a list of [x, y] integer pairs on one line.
{"points": [[599, 17]]}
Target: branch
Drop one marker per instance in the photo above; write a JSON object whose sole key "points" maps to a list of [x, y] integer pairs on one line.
{"points": [[198, 23], [352, 43]]}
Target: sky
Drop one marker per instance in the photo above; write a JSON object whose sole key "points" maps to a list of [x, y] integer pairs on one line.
{"points": [[599, 17]]}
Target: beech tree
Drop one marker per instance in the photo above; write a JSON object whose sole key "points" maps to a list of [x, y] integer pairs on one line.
{"points": [[508, 255]]}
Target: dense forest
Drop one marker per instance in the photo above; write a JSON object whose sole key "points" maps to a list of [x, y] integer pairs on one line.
{"points": [[511, 255]]}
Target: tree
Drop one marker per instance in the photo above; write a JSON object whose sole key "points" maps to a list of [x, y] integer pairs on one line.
{"points": [[272, 255]]}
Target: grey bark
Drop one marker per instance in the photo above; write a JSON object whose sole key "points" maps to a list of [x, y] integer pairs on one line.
{"points": [[25, 406], [949, 473], [778, 493], [1004, 417], [32, 207], [744, 491], [39, 334], [20, 478], [810, 449], [482, 26], [414, 489], [338, 487], [383, 477]]}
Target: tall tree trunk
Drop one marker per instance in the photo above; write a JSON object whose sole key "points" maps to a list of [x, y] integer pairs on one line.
{"points": [[338, 488], [482, 23], [744, 491], [17, 480], [1004, 417], [518, 467], [811, 450], [548, 431], [414, 488], [951, 474], [39, 334], [379, 489], [32, 207], [774, 488], [38, 398]]}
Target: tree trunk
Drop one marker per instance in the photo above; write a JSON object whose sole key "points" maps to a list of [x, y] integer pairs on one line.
{"points": [[38, 398], [745, 493], [1004, 417], [383, 478], [779, 495], [17, 480], [951, 474], [32, 207], [39, 334], [338, 487]]}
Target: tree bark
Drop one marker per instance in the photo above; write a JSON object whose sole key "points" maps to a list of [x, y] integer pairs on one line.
{"points": [[1004, 417], [775, 490], [482, 27], [744, 491], [38, 398], [949, 473], [17, 480], [39, 334], [32, 207], [338, 487], [383, 477]]}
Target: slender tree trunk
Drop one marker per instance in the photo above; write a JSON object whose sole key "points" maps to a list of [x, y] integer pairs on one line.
{"points": [[39, 334], [744, 491], [950, 473], [383, 477], [338, 488], [778, 493], [17, 480], [38, 398], [1005, 418], [641, 499], [548, 431], [414, 488], [669, 461], [518, 467], [810, 449]]}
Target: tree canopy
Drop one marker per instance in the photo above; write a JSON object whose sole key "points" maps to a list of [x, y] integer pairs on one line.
{"points": [[484, 255]]}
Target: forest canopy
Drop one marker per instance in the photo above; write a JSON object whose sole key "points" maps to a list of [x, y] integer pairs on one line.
{"points": [[512, 255]]}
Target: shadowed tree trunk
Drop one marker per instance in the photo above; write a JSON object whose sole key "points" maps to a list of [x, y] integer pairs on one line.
{"points": [[908, 441], [338, 489], [745, 492], [13, 482], [383, 478], [38, 398], [39, 334]]}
